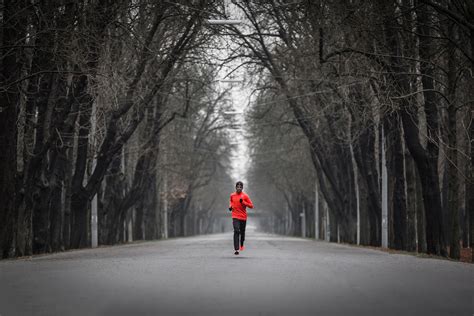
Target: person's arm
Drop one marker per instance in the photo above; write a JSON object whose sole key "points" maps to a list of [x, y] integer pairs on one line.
{"points": [[230, 204], [247, 202]]}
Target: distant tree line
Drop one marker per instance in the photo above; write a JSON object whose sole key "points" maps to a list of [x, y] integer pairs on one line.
{"points": [[345, 89]]}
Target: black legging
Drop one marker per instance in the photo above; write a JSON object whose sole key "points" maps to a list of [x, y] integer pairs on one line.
{"points": [[239, 229]]}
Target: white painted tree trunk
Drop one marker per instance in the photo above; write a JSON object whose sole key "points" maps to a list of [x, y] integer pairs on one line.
{"points": [[316, 211], [303, 223], [165, 207], [130, 229], [328, 226], [289, 222], [384, 195], [94, 219]]}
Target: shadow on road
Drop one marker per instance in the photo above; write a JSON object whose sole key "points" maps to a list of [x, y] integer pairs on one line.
{"points": [[236, 257]]}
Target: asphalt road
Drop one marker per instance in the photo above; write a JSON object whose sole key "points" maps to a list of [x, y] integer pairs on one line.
{"points": [[201, 276]]}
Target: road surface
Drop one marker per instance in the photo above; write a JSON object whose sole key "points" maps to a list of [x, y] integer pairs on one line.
{"points": [[201, 276]]}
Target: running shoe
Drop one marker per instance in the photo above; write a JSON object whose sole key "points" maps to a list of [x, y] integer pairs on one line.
{"points": [[242, 248], [236, 252]]}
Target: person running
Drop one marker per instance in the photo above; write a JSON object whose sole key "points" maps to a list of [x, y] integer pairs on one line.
{"points": [[239, 201]]}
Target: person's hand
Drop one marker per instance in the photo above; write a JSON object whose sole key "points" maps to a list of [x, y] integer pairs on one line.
{"points": [[241, 201], [230, 209]]}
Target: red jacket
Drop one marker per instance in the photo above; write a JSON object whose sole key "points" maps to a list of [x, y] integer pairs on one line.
{"points": [[239, 209]]}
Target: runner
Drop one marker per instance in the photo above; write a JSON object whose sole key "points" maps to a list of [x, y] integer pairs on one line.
{"points": [[239, 201]]}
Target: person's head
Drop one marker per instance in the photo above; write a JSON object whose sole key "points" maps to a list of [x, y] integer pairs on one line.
{"points": [[239, 186]]}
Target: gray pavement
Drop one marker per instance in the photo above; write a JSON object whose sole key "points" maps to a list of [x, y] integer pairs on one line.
{"points": [[201, 276]]}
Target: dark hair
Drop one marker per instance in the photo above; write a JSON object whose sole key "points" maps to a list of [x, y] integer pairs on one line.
{"points": [[239, 182]]}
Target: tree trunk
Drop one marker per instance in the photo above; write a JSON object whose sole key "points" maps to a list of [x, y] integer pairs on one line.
{"points": [[13, 28], [138, 224], [44, 91], [427, 160], [470, 176], [452, 161], [142, 187], [151, 209], [453, 188], [57, 213], [364, 154], [79, 219], [396, 174], [109, 215], [431, 195], [67, 201], [80, 197], [410, 182], [420, 214], [97, 17], [470, 183]]}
